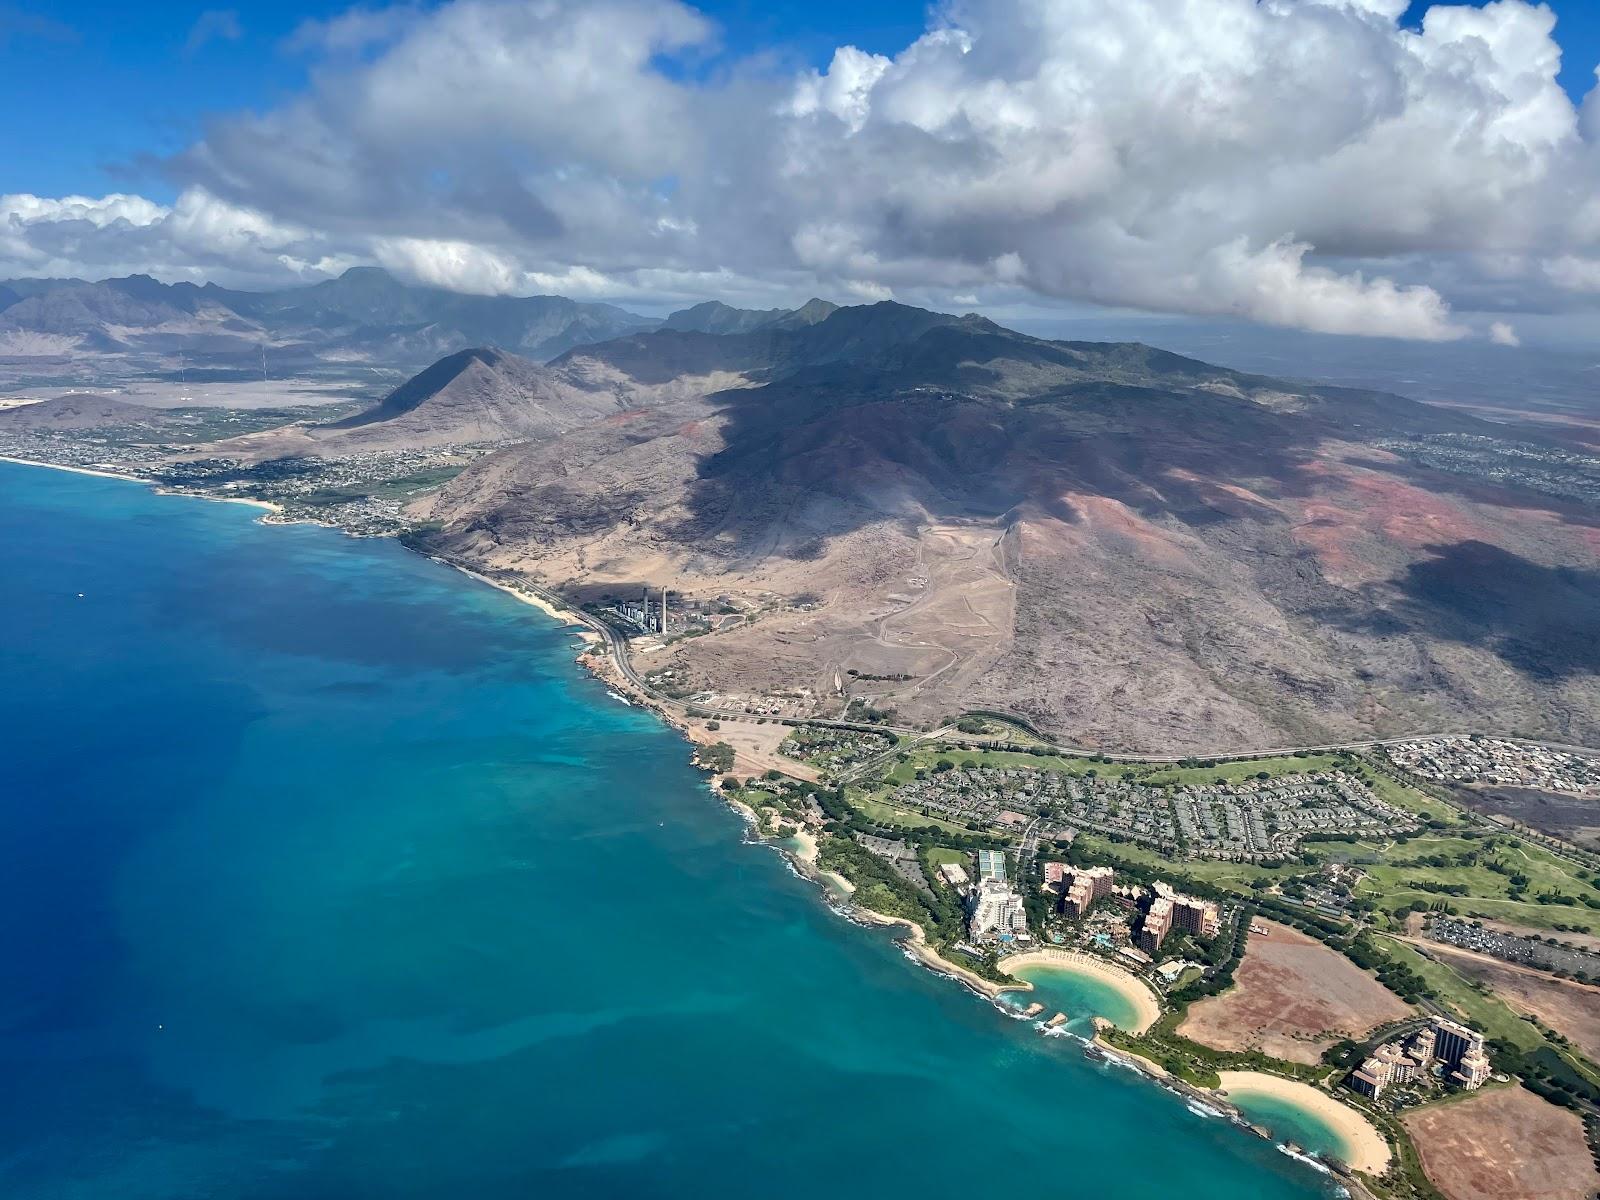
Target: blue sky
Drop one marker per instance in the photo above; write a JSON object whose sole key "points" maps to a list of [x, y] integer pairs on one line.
{"points": [[1299, 164], [103, 88], [98, 91]]}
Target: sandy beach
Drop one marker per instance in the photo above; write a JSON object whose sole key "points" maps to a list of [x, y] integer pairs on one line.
{"points": [[33, 462], [1366, 1150], [539, 602], [1129, 986], [149, 483], [806, 846]]}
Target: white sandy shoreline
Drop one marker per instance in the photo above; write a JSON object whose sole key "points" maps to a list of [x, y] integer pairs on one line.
{"points": [[149, 483], [539, 602], [1127, 985], [1365, 1149]]}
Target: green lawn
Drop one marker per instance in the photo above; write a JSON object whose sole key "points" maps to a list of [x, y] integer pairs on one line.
{"points": [[1233, 771], [1485, 1011], [1238, 876], [1393, 880], [892, 814], [924, 759], [1401, 796], [1390, 882]]}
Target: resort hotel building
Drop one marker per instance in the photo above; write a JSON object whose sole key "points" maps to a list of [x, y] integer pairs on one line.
{"points": [[1083, 887], [996, 911], [1444, 1048], [1078, 887], [1171, 910]]}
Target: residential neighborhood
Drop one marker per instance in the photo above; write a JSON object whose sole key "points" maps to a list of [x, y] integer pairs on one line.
{"points": [[1483, 760], [1244, 820]]}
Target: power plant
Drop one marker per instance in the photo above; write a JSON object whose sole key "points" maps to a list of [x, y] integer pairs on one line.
{"points": [[649, 618]]}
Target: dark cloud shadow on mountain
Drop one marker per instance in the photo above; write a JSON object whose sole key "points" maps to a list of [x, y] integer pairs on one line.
{"points": [[1543, 621], [966, 437]]}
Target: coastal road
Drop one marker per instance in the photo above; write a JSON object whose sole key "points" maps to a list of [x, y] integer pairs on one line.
{"points": [[617, 646]]}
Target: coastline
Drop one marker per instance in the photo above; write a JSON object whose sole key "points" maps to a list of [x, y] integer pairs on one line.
{"points": [[1366, 1150], [1127, 985], [915, 944], [550, 610], [1349, 1124], [274, 509]]}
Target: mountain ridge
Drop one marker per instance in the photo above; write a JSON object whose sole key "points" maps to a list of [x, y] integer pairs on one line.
{"points": [[363, 315], [1123, 545]]}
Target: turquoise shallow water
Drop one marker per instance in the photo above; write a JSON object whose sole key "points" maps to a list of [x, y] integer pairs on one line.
{"points": [[1079, 995], [325, 874], [1289, 1123]]}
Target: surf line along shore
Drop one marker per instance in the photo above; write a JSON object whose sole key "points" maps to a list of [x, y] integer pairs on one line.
{"points": [[915, 945], [154, 485], [1366, 1149], [1135, 991]]}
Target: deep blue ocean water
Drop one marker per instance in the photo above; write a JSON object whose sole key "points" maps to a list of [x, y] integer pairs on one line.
{"points": [[324, 873]]}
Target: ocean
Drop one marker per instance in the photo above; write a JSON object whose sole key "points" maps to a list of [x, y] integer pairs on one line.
{"points": [[325, 873]]}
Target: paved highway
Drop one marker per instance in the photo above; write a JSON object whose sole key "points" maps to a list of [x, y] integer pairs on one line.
{"points": [[617, 645]]}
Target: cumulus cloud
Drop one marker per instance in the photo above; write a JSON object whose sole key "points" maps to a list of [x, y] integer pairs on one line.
{"points": [[199, 238], [1574, 273], [1502, 334], [1306, 163], [353, 31]]}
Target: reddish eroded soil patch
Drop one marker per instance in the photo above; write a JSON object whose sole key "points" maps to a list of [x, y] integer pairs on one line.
{"points": [[1504, 1144], [1112, 522], [1377, 503], [1292, 997]]}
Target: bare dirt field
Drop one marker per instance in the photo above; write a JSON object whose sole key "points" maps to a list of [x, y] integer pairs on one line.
{"points": [[755, 747], [1504, 1144], [1568, 1007], [1292, 997]]}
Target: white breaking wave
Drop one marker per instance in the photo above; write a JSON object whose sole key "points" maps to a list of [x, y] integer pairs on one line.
{"points": [[1309, 1159]]}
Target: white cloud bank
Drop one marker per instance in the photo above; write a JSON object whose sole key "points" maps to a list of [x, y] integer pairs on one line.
{"points": [[1305, 163]]}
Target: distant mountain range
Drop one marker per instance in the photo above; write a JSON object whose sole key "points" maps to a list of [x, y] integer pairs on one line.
{"points": [[365, 316]]}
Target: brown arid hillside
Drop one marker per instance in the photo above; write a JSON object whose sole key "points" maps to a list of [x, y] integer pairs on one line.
{"points": [[1130, 549], [77, 411]]}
